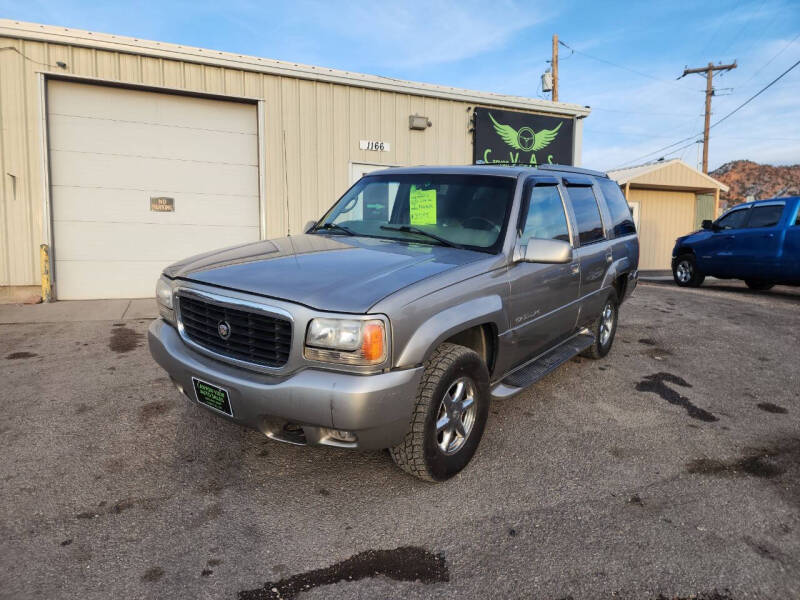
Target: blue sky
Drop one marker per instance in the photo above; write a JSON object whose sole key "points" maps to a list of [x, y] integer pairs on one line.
{"points": [[501, 46]]}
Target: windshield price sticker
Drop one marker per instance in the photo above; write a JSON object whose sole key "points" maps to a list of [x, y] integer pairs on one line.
{"points": [[422, 206], [375, 145]]}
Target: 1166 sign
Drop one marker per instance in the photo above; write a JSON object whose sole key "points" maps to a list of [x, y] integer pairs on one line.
{"points": [[504, 136]]}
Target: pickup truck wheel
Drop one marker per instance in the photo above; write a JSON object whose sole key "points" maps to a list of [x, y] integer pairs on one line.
{"points": [[760, 286], [604, 329], [685, 273], [449, 416]]}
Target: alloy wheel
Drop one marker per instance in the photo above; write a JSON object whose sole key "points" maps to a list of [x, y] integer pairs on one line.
{"points": [[456, 416]]}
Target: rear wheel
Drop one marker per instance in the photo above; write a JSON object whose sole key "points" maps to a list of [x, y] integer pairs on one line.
{"points": [[449, 415], [757, 285], [604, 329], [685, 273]]}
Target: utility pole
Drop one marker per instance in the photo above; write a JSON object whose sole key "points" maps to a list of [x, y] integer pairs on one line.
{"points": [[708, 71], [555, 67]]}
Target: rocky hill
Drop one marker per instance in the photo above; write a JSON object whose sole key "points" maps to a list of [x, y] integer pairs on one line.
{"points": [[747, 178]]}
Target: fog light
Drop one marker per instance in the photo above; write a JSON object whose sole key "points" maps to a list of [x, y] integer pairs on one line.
{"points": [[342, 436]]}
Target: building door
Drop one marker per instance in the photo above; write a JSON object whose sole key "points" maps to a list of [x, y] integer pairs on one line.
{"points": [[141, 179]]}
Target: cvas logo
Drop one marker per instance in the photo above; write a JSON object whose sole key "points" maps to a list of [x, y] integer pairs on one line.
{"points": [[525, 138]]}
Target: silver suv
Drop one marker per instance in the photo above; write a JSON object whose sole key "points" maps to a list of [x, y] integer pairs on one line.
{"points": [[393, 321]]}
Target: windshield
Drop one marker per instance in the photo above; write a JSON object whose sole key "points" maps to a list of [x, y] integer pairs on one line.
{"points": [[467, 211]]}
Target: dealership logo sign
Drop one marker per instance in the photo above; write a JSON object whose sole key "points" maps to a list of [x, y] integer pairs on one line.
{"points": [[505, 136], [525, 138]]}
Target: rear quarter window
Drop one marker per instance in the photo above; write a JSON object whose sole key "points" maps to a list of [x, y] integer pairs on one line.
{"points": [[621, 217]]}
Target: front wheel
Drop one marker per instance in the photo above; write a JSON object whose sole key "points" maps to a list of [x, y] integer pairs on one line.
{"points": [[759, 286], [449, 416], [685, 273]]}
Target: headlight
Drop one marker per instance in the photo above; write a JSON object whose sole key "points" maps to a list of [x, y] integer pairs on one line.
{"points": [[346, 341], [164, 292], [164, 299]]}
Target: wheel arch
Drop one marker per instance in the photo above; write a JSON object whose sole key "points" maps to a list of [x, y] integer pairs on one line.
{"points": [[474, 324]]}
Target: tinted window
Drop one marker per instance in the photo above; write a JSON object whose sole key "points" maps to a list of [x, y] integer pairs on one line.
{"points": [[545, 218], [587, 214], [621, 217], [765, 216], [733, 220]]}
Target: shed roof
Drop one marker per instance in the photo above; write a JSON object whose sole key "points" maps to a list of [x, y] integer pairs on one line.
{"points": [[667, 174], [89, 39]]}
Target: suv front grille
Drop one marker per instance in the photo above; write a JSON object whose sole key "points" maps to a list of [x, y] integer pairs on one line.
{"points": [[254, 337]]}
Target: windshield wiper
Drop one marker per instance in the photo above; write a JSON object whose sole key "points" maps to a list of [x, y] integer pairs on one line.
{"points": [[329, 226], [433, 236]]}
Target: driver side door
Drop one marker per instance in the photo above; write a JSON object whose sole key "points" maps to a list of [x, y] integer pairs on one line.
{"points": [[715, 253]]}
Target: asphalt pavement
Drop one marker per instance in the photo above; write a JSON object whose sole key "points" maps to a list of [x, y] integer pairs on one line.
{"points": [[670, 469]]}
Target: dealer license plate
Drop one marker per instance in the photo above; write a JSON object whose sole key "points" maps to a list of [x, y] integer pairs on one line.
{"points": [[212, 396]]}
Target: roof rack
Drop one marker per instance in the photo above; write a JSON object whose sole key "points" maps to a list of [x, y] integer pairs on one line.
{"points": [[547, 167]]}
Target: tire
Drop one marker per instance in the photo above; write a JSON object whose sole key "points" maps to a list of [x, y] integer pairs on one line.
{"points": [[685, 273], [604, 329], [424, 452], [759, 286]]}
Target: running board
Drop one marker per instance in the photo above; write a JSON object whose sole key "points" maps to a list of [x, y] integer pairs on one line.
{"points": [[534, 371]]}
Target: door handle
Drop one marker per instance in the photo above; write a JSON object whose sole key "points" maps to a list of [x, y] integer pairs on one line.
{"points": [[729, 237], [769, 235], [609, 257], [574, 269]]}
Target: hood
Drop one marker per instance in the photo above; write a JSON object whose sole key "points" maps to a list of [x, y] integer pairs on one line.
{"points": [[334, 273]]}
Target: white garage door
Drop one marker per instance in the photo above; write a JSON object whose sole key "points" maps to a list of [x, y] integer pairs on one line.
{"points": [[120, 159]]}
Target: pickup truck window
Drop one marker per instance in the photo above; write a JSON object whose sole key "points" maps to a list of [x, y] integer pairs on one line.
{"points": [[621, 216], [765, 216], [734, 219], [546, 218], [464, 210], [587, 214]]}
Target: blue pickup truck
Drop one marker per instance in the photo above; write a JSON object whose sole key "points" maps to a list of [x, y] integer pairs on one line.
{"points": [[757, 241]]}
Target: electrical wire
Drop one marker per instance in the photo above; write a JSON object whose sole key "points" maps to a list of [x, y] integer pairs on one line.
{"points": [[18, 51], [727, 116]]}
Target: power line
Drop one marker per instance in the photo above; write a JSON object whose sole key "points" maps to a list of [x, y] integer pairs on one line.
{"points": [[756, 95], [618, 66], [730, 114], [766, 64]]}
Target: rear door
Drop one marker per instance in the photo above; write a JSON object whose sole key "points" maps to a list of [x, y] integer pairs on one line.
{"points": [[790, 256], [756, 247], [594, 251], [544, 298]]}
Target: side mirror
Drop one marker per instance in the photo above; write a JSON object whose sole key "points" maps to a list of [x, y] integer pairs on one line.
{"points": [[552, 252], [309, 226], [707, 224]]}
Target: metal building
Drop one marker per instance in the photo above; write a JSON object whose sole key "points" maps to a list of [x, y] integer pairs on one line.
{"points": [[668, 199], [123, 155]]}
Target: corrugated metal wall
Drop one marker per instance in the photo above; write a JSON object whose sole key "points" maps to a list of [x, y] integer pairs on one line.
{"points": [[312, 132], [663, 216]]}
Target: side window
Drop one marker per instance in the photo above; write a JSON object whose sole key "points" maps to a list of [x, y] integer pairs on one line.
{"points": [[545, 218], [733, 220], [797, 220], [587, 214], [765, 216], [621, 217]]}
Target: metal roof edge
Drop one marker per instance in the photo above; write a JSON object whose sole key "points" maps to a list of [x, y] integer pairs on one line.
{"points": [[655, 166], [76, 37]]}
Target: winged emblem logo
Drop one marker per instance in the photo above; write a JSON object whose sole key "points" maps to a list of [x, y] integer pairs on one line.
{"points": [[525, 138]]}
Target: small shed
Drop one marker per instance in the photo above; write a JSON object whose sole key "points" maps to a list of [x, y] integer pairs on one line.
{"points": [[668, 199]]}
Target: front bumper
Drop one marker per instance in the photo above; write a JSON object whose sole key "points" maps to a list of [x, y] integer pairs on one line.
{"points": [[377, 408]]}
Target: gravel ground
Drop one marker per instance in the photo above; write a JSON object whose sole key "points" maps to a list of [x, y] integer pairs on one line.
{"points": [[669, 469]]}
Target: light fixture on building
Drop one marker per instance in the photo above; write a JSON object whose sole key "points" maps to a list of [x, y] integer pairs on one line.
{"points": [[418, 122]]}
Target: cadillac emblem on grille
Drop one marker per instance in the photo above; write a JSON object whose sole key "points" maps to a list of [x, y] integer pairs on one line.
{"points": [[224, 330]]}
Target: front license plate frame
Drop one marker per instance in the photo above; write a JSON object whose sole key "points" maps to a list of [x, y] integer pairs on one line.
{"points": [[212, 396]]}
